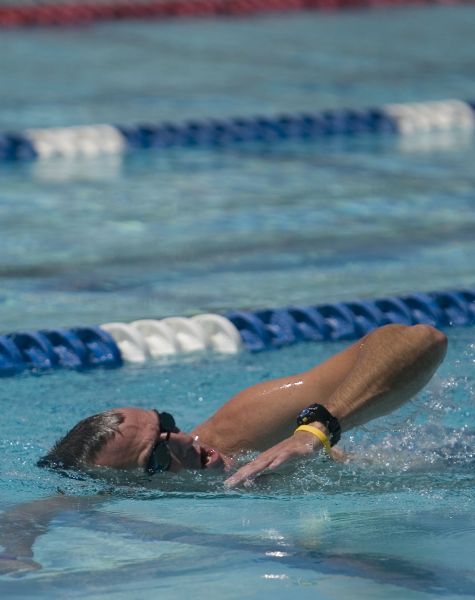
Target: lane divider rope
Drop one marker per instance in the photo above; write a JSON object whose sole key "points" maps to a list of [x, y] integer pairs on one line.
{"points": [[112, 344], [71, 13], [150, 338], [406, 119]]}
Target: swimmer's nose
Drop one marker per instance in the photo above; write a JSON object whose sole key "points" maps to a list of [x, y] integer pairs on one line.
{"points": [[188, 441], [188, 449]]}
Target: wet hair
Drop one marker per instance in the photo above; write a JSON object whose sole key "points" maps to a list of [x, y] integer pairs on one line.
{"points": [[81, 445]]}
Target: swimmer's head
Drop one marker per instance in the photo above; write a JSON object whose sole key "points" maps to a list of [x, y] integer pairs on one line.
{"points": [[80, 446], [131, 438]]}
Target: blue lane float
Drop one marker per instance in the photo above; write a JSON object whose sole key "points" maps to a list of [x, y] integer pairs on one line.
{"points": [[267, 329], [406, 119], [78, 348], [113, 344]]}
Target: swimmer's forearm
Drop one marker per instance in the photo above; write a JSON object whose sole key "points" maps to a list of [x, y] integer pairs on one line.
{"points": [[301, 445], [393, 365]]}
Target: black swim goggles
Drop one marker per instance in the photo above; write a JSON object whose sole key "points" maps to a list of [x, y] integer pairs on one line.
{"points": [[160, 458]]}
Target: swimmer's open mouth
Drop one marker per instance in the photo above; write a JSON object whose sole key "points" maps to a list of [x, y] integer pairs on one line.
{"points": [[210, 458]]}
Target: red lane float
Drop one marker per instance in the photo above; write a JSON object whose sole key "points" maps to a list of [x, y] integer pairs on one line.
{"points": [[69, 14]]}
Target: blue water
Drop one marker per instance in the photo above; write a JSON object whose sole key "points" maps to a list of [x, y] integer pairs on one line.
{"points": [[243, 229], [182, 232], [397, 522], [153, 235], [125, 72]]}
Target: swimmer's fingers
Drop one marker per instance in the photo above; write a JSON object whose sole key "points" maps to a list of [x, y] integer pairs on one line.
{"points": [[339, 455], [290, 449], [246, 474]]}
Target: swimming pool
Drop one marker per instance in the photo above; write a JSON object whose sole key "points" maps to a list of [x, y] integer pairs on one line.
{"points": [[187, 231]]}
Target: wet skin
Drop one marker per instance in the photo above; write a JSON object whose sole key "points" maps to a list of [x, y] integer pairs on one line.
{"points": [[369, 379], [132, 445]]}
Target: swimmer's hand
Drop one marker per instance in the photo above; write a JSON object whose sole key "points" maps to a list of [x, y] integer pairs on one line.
{"points": [[300, 445]]}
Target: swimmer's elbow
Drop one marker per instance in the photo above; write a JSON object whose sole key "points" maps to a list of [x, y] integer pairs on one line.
{"points": [[432, 340]]}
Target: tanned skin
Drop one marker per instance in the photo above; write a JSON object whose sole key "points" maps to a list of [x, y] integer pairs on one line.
{"points": [[370, 378]]}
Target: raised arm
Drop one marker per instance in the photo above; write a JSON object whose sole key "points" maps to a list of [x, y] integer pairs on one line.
{"points": [[371, 378], [393, 364]]}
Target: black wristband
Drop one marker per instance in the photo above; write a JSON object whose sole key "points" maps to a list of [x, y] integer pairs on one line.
{"points": [[317, 412]]}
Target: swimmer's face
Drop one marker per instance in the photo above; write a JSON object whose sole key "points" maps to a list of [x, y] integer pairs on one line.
{"points": [[141, 443]]}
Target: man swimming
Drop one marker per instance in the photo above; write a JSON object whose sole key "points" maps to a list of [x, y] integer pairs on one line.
{"points": [[283, 419]]}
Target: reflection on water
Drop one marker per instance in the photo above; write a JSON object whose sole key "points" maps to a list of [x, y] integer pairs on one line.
{"points": [[184, 551]]}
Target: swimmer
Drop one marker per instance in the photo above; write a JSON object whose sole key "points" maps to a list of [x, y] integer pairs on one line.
{"points": [[284, 419]]}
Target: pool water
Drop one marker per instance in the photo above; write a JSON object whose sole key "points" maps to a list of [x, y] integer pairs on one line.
{"points": [[171, 233], [398, 521], [196, 232], [176, 233]]}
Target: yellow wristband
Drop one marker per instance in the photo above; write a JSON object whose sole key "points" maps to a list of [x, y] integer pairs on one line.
{"points": [[317, 433]]}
